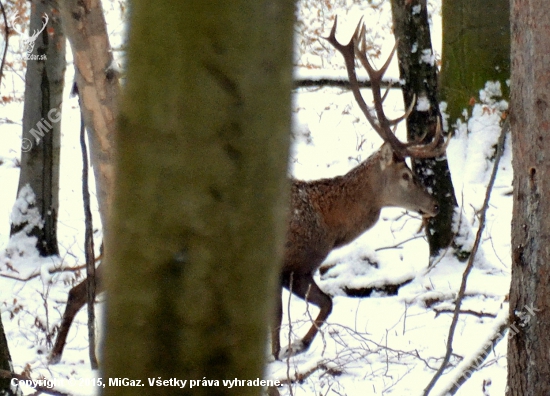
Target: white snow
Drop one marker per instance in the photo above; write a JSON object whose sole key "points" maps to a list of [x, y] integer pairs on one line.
{"points": [[422, 103]]}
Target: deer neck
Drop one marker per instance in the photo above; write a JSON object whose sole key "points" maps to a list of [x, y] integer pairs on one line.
{"points": [[351, 205]]}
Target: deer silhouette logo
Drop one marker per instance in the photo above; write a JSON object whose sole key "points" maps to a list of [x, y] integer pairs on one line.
{"points": [[28, 43]]}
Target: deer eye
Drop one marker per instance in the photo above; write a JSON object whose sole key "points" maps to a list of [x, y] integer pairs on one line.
{"points": [[406, 176]]}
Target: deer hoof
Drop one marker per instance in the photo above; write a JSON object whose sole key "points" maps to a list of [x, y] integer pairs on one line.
{"points": [[293, 349]]}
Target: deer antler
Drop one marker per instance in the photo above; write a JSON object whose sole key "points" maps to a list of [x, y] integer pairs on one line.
{"points": [[377, 118]]}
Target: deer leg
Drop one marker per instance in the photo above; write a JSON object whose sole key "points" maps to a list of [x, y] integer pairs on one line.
{"points": [[304, 286], [76, 300]]}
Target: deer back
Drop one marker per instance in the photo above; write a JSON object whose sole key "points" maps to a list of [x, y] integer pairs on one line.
{"points": [[330, 213]]}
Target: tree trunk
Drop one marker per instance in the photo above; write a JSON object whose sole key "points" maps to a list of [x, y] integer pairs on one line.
{"points": [[40, 147], [476, 49], [199, 217], [528, 347], [418, 71], [98, 87], [5, 363]]}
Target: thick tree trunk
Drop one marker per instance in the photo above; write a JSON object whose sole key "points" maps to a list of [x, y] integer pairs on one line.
{"points": [[419, 73], [476, 49], [529, 346], [199, 216], [40, 147]]}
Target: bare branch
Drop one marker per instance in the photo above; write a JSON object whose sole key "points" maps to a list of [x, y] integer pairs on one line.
{"points": [[465, 312], [7, 34]]}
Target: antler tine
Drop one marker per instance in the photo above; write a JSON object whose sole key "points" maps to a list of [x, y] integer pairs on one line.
{"points": [[406, 115], [348, 52], [390, 85], [431, 149], [384, 125], [390, 58], [362, 55]]}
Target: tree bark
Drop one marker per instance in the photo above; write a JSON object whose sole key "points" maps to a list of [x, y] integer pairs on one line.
{"points": [[199, 216], [5, 364], [528, 347], [98, 87], [40, 149], [476, 49], [419, 72]]}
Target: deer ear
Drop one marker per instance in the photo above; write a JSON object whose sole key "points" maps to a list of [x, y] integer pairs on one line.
{"points": [[387, 157]]}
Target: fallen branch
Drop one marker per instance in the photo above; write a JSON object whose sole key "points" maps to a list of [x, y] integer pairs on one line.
{"points": [[469, 266], [465, 312], [390, 289], [37, 273]]}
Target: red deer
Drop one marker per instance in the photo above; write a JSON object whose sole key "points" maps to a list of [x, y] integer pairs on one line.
{"points": [[329, 213]]}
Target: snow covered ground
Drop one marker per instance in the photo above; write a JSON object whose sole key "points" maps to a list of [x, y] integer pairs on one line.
{"points": [[377, 345]]}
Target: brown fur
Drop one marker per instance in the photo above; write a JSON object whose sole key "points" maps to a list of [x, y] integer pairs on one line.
{"points": [[329, 213], [325, 214]]}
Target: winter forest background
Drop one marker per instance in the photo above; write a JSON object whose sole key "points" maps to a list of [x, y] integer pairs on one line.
{"points": [[394, 294]]}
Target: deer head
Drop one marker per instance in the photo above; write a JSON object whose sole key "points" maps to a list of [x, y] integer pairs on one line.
{"points": [[400, 188]]}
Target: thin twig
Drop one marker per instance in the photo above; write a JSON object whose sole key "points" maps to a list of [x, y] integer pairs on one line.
{"points": [[465, 312], [7, 32], [88, 248], [398, 245], [289, 335], [313, 321], [469, 266]]}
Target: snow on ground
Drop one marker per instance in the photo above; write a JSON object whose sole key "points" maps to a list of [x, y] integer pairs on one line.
{"points": [[393, 344], [377, 345]]}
